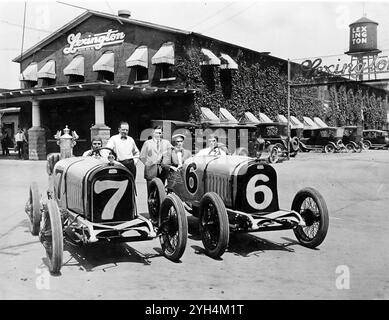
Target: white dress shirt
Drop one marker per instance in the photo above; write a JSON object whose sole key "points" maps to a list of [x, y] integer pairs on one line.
{"points": [[124, 148]]}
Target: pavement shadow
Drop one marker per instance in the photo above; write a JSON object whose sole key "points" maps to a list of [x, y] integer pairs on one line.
{"points": [[246, 244], [103, 255]]}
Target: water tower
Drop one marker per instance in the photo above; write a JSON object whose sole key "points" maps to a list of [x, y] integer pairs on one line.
{"points": [[363, 47]]}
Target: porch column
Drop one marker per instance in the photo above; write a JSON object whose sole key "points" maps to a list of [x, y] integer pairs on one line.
{"points": [[100, 129], [36, 135]]}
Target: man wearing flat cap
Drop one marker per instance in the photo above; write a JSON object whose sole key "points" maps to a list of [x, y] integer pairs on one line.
{"points": [[179, 154]]}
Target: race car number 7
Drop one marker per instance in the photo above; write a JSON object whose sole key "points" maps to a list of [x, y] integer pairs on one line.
{"points": [[112, 203], [252, 190]]}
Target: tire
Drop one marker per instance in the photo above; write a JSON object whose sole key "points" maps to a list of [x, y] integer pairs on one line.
{"points": [[350, 147], [294, 144], [52, 159], [214, 225], [274, 151], [366, 145], [329, 148], [313, 215], [33, 209], [51, 236], [359, 147], [173, 228], [156, 196]]}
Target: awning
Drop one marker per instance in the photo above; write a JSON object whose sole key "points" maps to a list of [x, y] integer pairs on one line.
{"points": [[48, 70], [105, 63], [208, 116], [165, 54], [139, 57], [227, 62], [296, 122], [210, 58], [282, 118], [226, 116], [75, 67], [10, 110], [250, 118], [30, 73], [320, 122], [264, 118], [309, 123]]}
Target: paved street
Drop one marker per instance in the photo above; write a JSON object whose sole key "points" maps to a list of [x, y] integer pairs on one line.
{"points": [[271, 265]]}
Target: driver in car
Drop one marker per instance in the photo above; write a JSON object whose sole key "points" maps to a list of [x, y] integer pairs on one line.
{"points": [[97, 142], [214, 147]]}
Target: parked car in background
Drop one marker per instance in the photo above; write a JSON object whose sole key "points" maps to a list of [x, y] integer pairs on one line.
{"points": [[326, 140], [352, 138], [375, 139]]}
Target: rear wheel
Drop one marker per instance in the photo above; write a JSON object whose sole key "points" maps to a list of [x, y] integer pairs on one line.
{"points": [[157, 195], [214, 226], [173, 228], [311, 206], [51, 236], [329, 148], [33, 209], [366, 145], [350, 147]]}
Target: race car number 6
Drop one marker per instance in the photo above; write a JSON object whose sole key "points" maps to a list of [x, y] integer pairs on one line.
{"points": [[252, 190]]}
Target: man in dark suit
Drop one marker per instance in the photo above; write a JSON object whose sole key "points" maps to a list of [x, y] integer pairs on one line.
{"points": [[179, 154], [156, 155]]}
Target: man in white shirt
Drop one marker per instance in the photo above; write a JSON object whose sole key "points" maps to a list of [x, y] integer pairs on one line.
{"points": [[19, 139], [125, 148]]}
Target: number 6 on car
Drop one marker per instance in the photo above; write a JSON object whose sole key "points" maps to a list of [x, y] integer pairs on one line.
{"points": [[239, 194]]}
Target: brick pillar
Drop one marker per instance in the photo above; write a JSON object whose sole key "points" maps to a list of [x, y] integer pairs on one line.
{"points": [[36, 143], [100, 129], [36, 135]]}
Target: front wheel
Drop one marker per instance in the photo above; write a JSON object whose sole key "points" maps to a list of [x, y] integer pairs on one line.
{"points": [[310, 204], [33, 209], [173, 228], [51, 236], [156, 196], [214, 225]]}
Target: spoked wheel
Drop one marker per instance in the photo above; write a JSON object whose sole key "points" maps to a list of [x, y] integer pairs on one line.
{"points": [[51, 236], [311, 206], [274, 154], [214, 226], [33, 209], [329, 148], [350, 147], [157, 195], [173, 228], [366, 145], [359, 147]]}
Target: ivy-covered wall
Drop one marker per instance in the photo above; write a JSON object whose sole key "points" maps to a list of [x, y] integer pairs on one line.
{"points": [[261, 86]]}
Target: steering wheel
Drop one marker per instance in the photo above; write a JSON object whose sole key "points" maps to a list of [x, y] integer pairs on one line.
{"points": [[104, 148]]}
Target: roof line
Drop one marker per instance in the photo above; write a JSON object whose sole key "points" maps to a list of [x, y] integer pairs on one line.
{"points": [[88, 13]]}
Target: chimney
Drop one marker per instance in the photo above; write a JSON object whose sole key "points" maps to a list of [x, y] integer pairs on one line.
{"points": [[124, 14]]}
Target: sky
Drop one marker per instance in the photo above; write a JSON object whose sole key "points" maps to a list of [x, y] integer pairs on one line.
{"points": [[287, 29]]}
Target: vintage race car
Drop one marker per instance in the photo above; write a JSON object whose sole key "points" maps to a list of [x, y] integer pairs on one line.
{"points": [[92, 199], [239, 194]]}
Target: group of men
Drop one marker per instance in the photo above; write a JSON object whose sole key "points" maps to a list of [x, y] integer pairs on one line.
{"points": [[157, 154]]}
